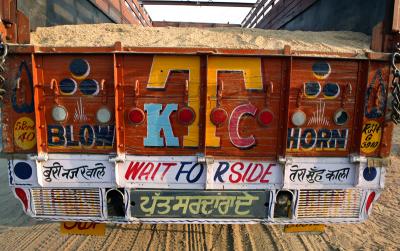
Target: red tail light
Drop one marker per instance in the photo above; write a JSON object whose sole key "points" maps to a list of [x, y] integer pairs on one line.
{"points": [[136, 116], [265, 117], [218, 116], [186, 115]]}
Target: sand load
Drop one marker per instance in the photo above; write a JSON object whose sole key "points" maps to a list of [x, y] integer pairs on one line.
{"points": [[97, 35]]}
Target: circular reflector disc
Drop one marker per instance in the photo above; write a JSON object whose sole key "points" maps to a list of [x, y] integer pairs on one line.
{"points": [[59, 113], [299, 118]]}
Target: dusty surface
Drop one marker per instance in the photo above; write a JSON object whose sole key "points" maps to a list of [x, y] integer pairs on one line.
{"points": [[238, 38], [380, 232]]}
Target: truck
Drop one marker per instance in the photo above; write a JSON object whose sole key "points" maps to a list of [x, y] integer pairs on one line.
{"points": [[194, 135]]}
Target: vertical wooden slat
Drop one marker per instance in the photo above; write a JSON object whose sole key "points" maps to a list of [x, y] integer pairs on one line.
{"points": [[203, 103], [40, 115], [362, 79], [119, 103], [285, 93]]}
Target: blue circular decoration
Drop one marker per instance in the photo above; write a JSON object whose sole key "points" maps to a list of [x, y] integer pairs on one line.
{"points": [[331, 90], [79, 68], [23, 170], [312, 89], [369, 173], [89, 87], [321, 69], [340, 117], [68, 86]]}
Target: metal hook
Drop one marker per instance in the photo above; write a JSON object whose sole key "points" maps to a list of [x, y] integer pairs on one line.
{"points": [[220, 88], [137, 88], [103, 81], [18, 83], [269, 89], [54, 87]]}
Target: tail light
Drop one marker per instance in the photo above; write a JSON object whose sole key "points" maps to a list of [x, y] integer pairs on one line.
{"points": [[186, 115], [265, 117], [136, 116], [218, 116]]}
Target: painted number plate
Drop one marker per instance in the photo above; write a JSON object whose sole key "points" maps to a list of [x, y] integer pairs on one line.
{"points": [[199, 204], [85, 228], [301, 228]]}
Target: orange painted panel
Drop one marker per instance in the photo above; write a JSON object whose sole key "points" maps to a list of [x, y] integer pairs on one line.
{"points": [[78, 103], [322, 104]]}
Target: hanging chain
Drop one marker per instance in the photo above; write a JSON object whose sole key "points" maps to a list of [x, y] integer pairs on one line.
{"points": [[3, 55], [396, 86]]}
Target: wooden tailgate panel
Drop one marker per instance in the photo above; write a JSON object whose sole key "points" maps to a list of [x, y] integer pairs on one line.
{"points": [[17, 112], [158, 88], [251, 96], [188, 105], [322, 107], [77, 90]]}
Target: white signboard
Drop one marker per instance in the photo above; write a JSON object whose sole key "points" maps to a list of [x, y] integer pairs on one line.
{"points": [[187, 173], [76, 171], [321, 173], [230, 174], [161, 172]]}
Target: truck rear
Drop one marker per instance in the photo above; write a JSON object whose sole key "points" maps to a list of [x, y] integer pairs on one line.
{"points": [[208, 135]]}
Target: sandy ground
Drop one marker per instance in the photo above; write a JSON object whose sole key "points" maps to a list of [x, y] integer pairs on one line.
{"points": [[233, 38], [380, 232]]}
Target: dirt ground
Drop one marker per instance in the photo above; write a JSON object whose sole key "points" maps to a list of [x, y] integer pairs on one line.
{"points": [[380, 232]]}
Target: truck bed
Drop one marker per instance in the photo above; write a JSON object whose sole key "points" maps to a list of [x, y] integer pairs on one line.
{"points": [[100, 35]]}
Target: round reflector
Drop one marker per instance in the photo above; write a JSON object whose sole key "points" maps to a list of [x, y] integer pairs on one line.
{"points": [[331, 90], [340, 117], [59, 113], [321, 69], [369, 173], [299, 118], [103, 115], [265, 117], [218, 116], [312, 89], [23, 170], [68, 86], [79, 68], [186, 115], [136, 116], [89, 87]]}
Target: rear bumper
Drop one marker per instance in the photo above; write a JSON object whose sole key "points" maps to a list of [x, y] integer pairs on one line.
{"points": [[304, 190]]}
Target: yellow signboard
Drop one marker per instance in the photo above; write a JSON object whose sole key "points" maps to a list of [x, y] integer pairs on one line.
{"points": [[84, 228], [371, 136], [301, 228], [25, 133]]}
